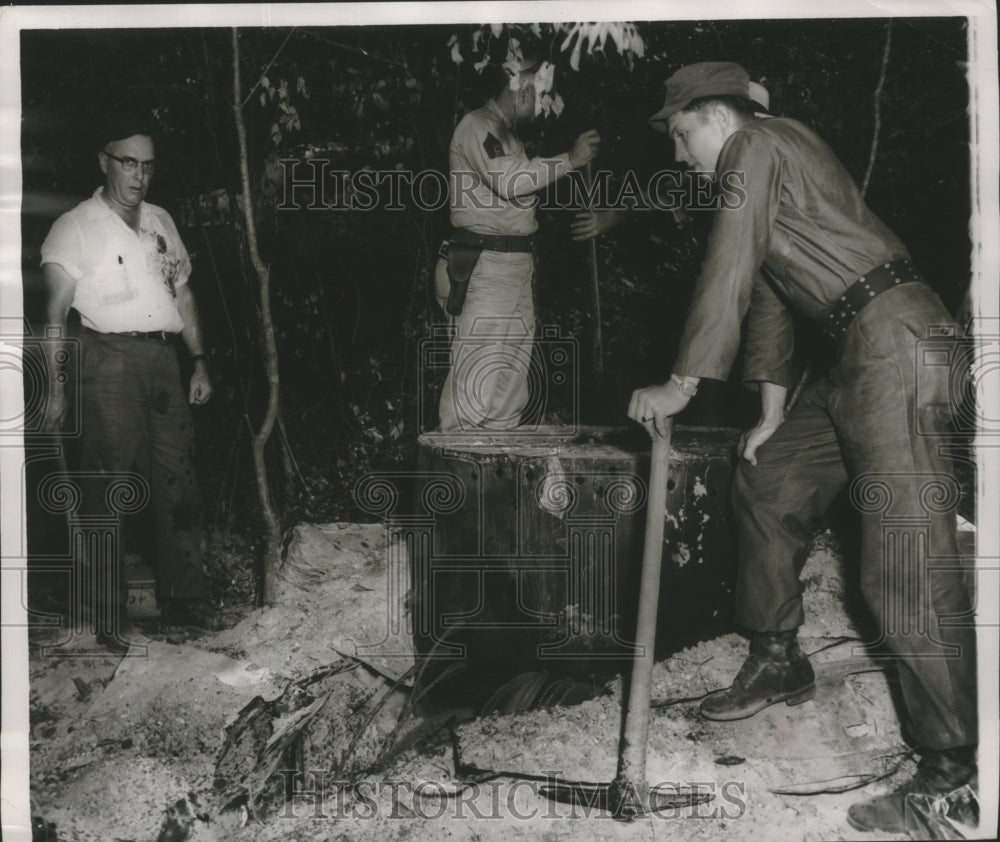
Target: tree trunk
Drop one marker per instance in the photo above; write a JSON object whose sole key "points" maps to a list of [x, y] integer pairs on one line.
{"points": [[878, 108], [272, 557]]}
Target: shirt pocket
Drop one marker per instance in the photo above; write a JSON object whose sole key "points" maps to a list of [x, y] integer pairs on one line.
{"points": [[114, 279]]}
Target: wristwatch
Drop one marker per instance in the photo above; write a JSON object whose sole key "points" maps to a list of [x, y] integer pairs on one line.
{"points": [[686, 387]]}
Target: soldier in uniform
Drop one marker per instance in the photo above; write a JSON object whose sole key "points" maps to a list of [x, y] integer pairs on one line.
{"points": [[484, 275], [805, 239]]}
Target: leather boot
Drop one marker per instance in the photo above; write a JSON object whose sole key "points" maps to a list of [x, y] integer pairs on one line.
{"points": [[774, 671], [938, 773]]}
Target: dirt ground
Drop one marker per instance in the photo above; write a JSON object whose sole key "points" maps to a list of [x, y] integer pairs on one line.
{"points": [[179, 740]]}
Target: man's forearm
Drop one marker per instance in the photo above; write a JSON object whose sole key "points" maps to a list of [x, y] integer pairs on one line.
{"points": [[55, 335], [772, 402], [201, 384], [200, 389], [61, 289], [188, 309]]}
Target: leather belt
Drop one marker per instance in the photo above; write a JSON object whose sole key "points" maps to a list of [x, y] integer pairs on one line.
{"points": [[492, 242], [865, 289], [159, 335]]}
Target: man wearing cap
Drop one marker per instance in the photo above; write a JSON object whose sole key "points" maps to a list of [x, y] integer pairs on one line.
{"points": [[120, 263], [804, 240], [484, 275]]}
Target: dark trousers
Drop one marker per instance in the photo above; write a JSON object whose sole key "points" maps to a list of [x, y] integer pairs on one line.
{"points": [[877, 422], [136, 418]]}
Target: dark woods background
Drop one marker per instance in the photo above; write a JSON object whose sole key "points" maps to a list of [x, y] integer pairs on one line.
{"points": [[352, 290]]}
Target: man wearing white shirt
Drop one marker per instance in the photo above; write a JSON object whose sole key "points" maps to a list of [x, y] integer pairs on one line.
{"points": [[120, 263]]}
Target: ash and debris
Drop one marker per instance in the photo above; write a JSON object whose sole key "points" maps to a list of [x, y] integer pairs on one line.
{"points": [[130, 749]]}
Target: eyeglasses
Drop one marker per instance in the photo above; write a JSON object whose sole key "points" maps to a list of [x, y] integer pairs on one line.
{"points": [[129, 163]]}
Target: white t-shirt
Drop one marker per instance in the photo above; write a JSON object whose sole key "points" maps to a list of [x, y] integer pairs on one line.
{"points": [[125, 280]]}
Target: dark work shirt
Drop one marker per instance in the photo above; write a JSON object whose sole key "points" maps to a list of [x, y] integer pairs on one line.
{"points": [[801, 237]]}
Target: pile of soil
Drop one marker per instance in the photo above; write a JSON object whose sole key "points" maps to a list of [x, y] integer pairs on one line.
{"points": [[178, 741]]}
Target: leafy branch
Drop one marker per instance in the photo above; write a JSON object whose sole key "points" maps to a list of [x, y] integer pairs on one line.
{"points": [[504, 44]]}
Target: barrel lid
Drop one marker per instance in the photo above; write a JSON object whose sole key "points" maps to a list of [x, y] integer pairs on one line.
{"points": [[591, 442]]}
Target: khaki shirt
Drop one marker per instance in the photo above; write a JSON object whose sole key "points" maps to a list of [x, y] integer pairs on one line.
{"points": [[492, 179], [801, 237]]}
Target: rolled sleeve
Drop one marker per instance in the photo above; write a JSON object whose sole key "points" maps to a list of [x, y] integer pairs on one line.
{"points": [[64, 246], [736, 249], [770, 337]]}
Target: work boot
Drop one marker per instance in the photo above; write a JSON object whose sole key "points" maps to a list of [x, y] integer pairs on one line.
{"points": [[774, 671], [938, 773]]}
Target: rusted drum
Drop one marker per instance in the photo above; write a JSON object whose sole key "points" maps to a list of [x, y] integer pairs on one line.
{"points": [[525, 547]]}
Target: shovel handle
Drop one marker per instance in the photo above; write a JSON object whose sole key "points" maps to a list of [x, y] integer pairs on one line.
{"points": [[632, 758]]}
